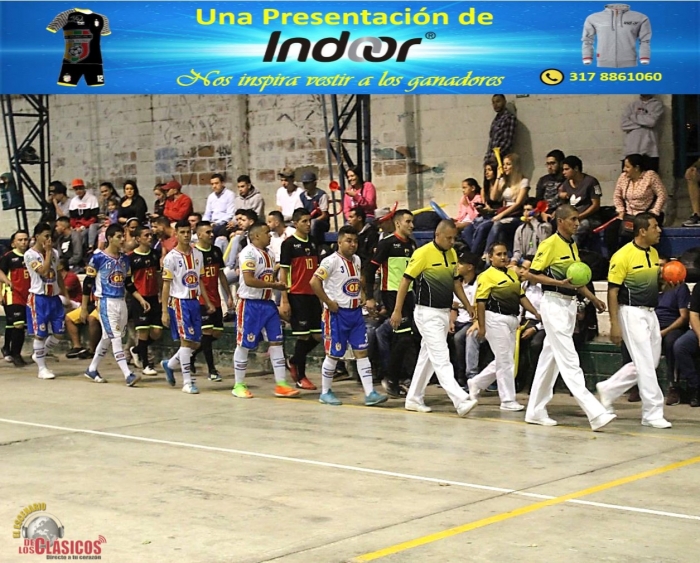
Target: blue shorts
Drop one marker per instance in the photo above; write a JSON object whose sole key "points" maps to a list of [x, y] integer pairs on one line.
{"points": [[185, 319], [347, 326], [257, 319], [44, 311]]}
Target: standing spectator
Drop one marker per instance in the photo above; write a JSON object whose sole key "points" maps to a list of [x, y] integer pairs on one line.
{"points": [[315, 201], [159, 201], [584, 193], [638, 123], [69, 244], [221, 205], [686, 350], [166, 235], [367, 235], [132, 204], [502, 131], [249, 197], [178, 206], [359, 193], [692, 178], [548, 185], [468, 209], [83, 210], [530, 234], [278, 234], [288, 194], [107, 195]]}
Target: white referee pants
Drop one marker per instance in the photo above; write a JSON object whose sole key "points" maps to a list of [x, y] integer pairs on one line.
{"points": [[434, 325], [642, 335], [500, 333], [559, 356]]}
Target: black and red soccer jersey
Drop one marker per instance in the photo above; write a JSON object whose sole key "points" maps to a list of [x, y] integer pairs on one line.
{"points": [[213, 263], [144, 272], [82, 30], [12, 265], [301, 257]]}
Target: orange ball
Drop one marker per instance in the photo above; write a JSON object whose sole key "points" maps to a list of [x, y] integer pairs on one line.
{"points": [[674, 272]]}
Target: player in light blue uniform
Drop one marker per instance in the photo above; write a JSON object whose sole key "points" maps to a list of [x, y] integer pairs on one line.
{"points": [[109, 275]]}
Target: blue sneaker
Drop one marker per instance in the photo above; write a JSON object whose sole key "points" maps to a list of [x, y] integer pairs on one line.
{"points": [[94, 375], [169, 374], [132, 379], [190, 388], [329, 398], [375, 398]]}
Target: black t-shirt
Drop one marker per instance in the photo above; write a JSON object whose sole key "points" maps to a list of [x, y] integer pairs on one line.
{"points": [[694, 306], [81, 30], [548, 190], [582, 196]]}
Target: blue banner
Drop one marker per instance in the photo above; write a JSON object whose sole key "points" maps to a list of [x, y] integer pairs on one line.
{"points": [[350, 47]]}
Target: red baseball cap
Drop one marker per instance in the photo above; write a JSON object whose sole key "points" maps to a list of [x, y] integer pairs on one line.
{"points": [[172, 185], [77, 183]]}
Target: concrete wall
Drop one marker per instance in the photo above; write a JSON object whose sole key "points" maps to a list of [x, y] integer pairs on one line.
{"points": [[423, 146]]}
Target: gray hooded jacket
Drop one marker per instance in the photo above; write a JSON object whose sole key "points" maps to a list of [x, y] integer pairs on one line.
{"points": [[617, 29]]}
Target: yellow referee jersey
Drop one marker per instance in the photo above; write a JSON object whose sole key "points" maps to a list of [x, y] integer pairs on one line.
{"points": [[433, 272], [500, 289], [554, 256], [636, 271]]}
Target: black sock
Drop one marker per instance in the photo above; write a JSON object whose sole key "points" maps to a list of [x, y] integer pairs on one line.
{"points": [[299, 357], [142, 351], [17, 342], [206, 348], [9, 333]]}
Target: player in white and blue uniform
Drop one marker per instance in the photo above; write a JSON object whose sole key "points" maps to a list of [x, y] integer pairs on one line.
{"points": [[108, 275], [257, 315], [337, 283], [44, 307], [183, 267]]}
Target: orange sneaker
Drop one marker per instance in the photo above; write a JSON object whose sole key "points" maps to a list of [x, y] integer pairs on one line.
{"points": [[241, 391], [285, 391], [305, 384]]}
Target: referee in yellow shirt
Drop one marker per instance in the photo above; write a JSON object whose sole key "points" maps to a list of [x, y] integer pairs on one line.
{"points": [[433, 272], [499, 295], [558, 312], [633, 293]]}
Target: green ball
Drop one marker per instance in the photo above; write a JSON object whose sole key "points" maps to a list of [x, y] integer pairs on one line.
{"points": [[579, 274]]}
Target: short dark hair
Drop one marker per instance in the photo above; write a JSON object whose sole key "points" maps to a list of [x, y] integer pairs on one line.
{"points": [[195, 214], [244, 178], [182, 224], [557, 155], [565, 211], [498, 96], [398, 215], [255, 227], [573, 162], [277, 215], [250, 214], [217, 176], [359, 212], [468, 257], [63, 220], [112, 230], [140, 229], [641, 221], [19, 232], [493, 245], [163, 221], [41, 228], [64, 264], [346, 230], [300, 212], [203, 224], [530, 201]]}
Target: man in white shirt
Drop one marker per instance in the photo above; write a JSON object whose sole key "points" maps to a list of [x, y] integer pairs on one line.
{"points": [[278, 233], [220, 205], [464, 327], [288, 194]]}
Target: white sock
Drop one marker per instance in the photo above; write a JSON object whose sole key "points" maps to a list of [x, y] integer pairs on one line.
{"points": [[174, 362], [279, 366], [50, 342], [100, 352], [39, 353], [185, 355], [327, 371], [240, 363], [364, 368], [120, 356]]}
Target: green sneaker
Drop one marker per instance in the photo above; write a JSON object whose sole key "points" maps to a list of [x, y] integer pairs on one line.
{"points": [[240, 390]]}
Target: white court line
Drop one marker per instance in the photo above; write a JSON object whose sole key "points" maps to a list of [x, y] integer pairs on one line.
{"points": [[354, 468]]}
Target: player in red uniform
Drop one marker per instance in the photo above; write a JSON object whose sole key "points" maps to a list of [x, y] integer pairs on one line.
{"points": [[212, 323], [15, 279]]}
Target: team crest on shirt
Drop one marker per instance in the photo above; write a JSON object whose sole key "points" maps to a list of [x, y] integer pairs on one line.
{"points": [[116, 278], [190, 279], [351, 288], [78, 47]]}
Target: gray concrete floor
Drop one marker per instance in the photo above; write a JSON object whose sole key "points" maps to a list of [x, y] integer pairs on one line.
{"points": [[169, 477]]}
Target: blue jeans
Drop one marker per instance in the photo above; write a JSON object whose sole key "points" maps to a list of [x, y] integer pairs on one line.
{"points": [[685, 349], [474, 235], [503, 232], [383, 335], [466, 352]]}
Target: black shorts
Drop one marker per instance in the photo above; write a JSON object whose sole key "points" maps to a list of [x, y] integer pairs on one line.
{"points": [[214, 320], [306, 314], [153, 318], [71, 73], [15, 315]]}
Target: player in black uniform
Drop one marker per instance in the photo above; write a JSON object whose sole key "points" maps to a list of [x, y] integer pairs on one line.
{"points": [[15, 279], [82, 30]]}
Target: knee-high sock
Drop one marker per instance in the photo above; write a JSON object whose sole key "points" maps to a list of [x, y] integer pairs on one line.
{"points": [[174, 362], [364, 368], [327, 371], [240, 363], [120, 356], [185, 355], [9, 335], [39, 353], [17, 342], [50, 342], [278, 364], [100, 352], [206, 348], [142, 351]]}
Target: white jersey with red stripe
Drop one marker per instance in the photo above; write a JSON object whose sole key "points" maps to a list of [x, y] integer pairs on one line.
{"points": [[42, 285], [262, 266], [183, 271], [341, 279]]}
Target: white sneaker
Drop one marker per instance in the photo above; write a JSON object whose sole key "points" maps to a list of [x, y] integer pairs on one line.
{"points": [[417, 407], [607, 403], [513, 406], [148, 370], [660, 423], [473, 390], [45, 373], [603, 420], [464, 407], [190, 388], [135, 358], [545, 421]]}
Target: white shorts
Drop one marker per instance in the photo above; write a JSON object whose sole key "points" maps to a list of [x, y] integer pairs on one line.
{"points": [[113, 316]]}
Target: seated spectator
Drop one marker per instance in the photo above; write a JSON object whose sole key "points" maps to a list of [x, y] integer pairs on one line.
{"points": [[367, 235], [194, 219], [249, 197], [468, 209], [130, 240], [686, 350], [462, 340], [288, 194], [221, 205], [69, 244], [159, 202], [513, 192], [315, 201], [583, 192], [530, 234], [178, 206], [132, 204], [692, 178], [548, 185], [73, 286], [359, 193], [112, 211], [474, 234], [83, 210], [531, 330], [58, 204]]}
